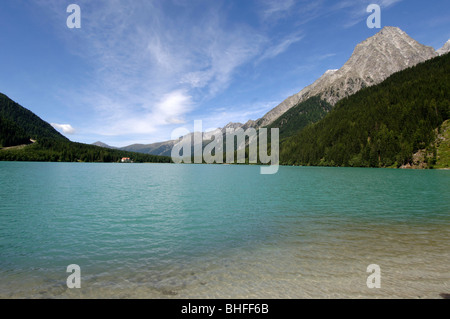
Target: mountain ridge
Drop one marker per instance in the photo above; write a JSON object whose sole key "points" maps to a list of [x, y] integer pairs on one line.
{"points": [[401, 116], [388, 51], [445, 48]]}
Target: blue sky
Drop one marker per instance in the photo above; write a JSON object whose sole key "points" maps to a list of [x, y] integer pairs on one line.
{"points": [[137, 69]]}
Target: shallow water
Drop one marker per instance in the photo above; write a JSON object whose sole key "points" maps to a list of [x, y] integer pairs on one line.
{"points": [[216, 231]]}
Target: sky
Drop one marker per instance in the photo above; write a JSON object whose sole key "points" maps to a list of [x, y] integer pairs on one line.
{"points": [[138, 69]]}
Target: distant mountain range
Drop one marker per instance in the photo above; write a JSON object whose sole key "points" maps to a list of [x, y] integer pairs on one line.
{"points": [[162, 148], [100, 144], [373, 61]]}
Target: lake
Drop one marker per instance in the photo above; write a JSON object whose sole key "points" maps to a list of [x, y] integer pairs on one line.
{"points": [[222, 231]]}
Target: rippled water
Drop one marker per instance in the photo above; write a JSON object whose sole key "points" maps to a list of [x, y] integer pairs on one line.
{"points": [[207, 231]]}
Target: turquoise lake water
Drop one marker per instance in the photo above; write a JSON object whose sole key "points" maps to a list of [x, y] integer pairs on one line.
{"points": [[222, 231]]}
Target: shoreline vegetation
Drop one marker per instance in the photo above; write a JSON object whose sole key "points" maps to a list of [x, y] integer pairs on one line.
{"points": [[71, 152], [26, 137]]}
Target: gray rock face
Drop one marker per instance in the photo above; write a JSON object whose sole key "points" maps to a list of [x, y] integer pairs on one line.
{"points": [[445, 49], [375, 59], [232, 125]]}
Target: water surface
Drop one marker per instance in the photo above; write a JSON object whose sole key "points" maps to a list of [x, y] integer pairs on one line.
{"points": [[225, 231]]}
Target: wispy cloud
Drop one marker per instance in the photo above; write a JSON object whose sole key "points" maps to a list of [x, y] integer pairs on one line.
{"points": [[324, 56], [151, 69], [280, 47], [357, 10], [151, 65], [388, 3], [139, 118], [350, 11], [274, 10], [242, 114]]}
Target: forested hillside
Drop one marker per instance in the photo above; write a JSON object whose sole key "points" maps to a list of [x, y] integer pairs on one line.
{"points": [[26, 120], [47, 150], [380, 126], [19, 125], [298, 117], [11, 134]]}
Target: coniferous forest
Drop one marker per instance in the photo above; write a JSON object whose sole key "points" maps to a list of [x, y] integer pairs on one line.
{"points": [[47, 150], [380, 126], [303, 114]]}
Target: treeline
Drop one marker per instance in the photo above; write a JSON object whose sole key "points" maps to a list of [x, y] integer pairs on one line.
{"points": [[48, 150], [380, 126]]}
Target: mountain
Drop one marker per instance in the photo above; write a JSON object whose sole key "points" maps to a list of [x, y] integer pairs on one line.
{"points": [[382, 125], [19, 127], [231, 125], [26, 121], [101, 144], [161, 148], [11, 134], [300, 116], [372, 61], [165, 148], [445, 49]]}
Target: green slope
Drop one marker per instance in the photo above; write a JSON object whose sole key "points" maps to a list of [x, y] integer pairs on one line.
{"points": [[27, 121], [380, 126], [46, 150], [303, 114], [18, 125]]}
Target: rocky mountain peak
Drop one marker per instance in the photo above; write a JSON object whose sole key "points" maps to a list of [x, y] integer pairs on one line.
{"points": [[445, 49], [329, 72], [373, 60], [233, 125]]}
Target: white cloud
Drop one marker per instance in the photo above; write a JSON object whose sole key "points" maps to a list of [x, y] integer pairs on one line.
{"points": [[144, 118], [172, 107], [65, 128]]}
